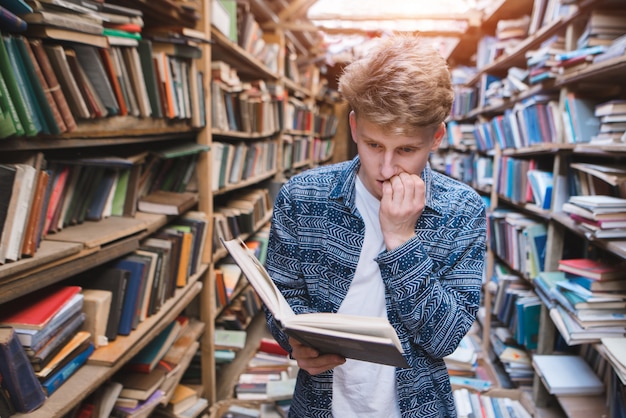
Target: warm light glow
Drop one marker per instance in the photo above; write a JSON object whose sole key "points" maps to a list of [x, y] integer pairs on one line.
{"points": [[378, 8]]}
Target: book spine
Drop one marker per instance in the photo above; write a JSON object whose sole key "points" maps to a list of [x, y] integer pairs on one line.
{"points": [[60, 377], [52, 110], [53, 84], [39, 338], [10, 123], [24, 85], [29, 244], [11, 22], [66, 330], [18, 376], [8, 74]]}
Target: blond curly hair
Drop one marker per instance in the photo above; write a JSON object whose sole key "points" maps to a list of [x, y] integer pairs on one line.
{"points": [[402, 84]]}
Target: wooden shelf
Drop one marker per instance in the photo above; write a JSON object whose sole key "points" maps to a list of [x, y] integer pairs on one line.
{"points": [[126, 138], [248, 66], [89, 377], [74, 250]]}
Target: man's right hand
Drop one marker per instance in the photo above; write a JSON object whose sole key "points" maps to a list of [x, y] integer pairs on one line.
{"points": [[310, 360]]}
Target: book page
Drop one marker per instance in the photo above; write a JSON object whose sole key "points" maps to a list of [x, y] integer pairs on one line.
{"points": [[259, 279]]}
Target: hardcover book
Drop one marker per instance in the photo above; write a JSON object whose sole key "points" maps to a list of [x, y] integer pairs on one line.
{"points": [[38, 308], [113, 280], [370, 339], [61, 376], [593, 269], [167, 203], [18, 378]]}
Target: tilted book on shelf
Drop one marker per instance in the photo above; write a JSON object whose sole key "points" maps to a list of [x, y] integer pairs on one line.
{"points": [[357, 337]]}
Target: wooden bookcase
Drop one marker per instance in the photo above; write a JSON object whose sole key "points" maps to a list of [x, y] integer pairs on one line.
{"points": [[251, 68], [79, 248], [565, 239]]}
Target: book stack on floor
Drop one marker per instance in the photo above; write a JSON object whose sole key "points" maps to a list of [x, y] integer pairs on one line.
{"points": [[600, 216], [589, 299], [47, 325]]}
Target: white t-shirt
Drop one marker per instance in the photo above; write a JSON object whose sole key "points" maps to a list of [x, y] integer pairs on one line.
{"points": [[362, 389]]}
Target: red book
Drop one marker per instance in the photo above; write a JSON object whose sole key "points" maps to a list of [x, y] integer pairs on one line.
{"points": [[593, 269], [271, 346], [35, 310]]}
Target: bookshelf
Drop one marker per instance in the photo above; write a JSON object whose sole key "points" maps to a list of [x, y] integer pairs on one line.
{"points": [[276, 74], [551, 151], [77, 249]]}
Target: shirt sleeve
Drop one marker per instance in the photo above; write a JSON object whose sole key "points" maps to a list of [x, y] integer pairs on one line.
{"points": [[435, 278]]}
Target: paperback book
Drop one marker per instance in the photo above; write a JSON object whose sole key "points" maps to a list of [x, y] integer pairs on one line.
{"points": [[357, 337]]}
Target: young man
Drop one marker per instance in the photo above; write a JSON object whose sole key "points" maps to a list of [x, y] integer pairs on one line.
{"points": [[383, 235]]}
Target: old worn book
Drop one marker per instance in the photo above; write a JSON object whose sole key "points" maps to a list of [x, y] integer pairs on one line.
{"points": [[61, 34], [97, 305], [43, 96], [370, 339], [167, 203], [71, 92], [139, 385], [79, 341], [53, 84], [33, 225], [18, 377]]}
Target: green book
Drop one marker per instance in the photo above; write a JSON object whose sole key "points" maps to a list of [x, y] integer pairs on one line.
{"points": [[7, 126], [119, 196], [121, 33], [182, 149], [144, 48], [21, 110], [38, 92], [24, 85]]}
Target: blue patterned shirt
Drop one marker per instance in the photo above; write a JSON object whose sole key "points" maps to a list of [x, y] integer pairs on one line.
{"points": [[432, 282]]}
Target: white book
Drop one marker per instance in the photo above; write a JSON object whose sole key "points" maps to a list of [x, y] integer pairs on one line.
{"points": [[567, 375], [363, 338]]}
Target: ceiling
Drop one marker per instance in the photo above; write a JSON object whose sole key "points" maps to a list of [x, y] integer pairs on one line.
{"points": [[334, 32]]}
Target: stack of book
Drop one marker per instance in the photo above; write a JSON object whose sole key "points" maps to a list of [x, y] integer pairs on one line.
{"points": [[600, 216], [48, 326], [590, 300], [270, 375], [513, 358], [612, 116]]}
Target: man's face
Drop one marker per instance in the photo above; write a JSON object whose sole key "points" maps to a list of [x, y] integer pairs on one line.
{"points": [[383, 155]]}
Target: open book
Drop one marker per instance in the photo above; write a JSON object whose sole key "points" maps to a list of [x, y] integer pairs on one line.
{"points": [[357, 337]]}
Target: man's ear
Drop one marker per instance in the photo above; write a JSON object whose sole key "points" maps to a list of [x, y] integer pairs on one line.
{"points": [[352, 120], [440, 134]]}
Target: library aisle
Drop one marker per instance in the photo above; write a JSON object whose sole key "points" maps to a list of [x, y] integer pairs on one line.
{"points": [[135, 136]]}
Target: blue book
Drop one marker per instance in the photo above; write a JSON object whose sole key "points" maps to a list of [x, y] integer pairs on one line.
{"points": [[131, 295], [146, 360], [18, 377], [17, 6], [61, 376]]}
